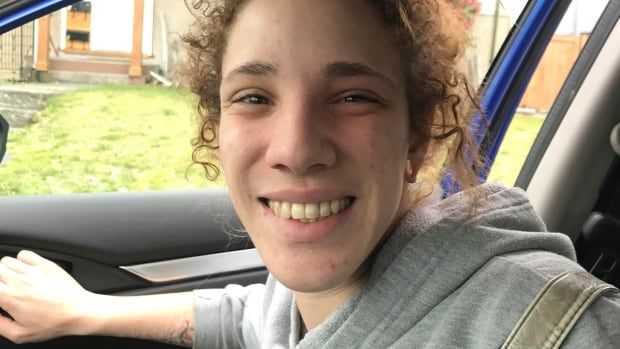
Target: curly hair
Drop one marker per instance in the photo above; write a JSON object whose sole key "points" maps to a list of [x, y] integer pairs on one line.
{"points": [[441, 103]]}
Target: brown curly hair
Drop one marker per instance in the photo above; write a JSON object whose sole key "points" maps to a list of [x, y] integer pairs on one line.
{"points": [[432, 41]]}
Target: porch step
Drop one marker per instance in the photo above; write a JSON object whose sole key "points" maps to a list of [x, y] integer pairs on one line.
{"points": [[17, 117], [23, 99], [84, 77], [20, 103], [93, 65]]}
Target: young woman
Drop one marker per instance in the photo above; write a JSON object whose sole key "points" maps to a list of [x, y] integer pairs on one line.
{"points": [[331, 120]]}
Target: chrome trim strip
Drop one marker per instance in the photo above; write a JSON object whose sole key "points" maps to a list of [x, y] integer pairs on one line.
{"points": [[193, 267]]}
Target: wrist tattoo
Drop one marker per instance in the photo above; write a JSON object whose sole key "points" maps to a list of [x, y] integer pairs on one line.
{"points": [[185, 337]]}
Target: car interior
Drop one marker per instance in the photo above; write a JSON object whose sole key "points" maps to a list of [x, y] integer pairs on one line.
{"points": [[138, 243], [571, 173]]}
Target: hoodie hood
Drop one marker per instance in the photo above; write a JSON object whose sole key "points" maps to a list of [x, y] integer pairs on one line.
{"points": [[434, 251]]}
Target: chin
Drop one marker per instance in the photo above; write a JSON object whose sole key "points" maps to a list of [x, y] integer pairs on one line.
{"points": [[309, 273], [310, 282]]}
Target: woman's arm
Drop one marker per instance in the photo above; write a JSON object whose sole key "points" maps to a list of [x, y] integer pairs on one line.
{"points": [[45, 302], [165, 318]]}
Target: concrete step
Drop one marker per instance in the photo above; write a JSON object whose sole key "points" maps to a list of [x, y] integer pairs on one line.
{"points": [[19, 103], [18, 118], [23, 99], [41, 88]]}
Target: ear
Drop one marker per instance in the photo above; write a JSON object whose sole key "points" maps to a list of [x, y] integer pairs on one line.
{"points": [[418, 146]]}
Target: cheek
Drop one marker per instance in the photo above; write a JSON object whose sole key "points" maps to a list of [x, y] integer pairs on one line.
{"points": [[238, 149], [236, 143], [383, 149]]}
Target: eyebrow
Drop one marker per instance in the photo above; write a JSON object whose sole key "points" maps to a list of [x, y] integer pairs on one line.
{"points": [[352, 69], [340, 69], [256, 68]]}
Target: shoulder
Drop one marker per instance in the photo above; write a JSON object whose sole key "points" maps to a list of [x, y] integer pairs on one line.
{"points": [[532, 270], [599, 326]]}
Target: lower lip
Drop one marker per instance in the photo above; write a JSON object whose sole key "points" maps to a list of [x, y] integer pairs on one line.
{"points": [[298, 232]]}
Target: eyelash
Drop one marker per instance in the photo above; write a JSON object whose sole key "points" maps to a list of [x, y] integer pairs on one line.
{"points": [[357, 98], [255, 97]]}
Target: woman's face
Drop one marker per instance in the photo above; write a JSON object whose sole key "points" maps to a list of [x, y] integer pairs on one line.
{"points": [[314, 135]]}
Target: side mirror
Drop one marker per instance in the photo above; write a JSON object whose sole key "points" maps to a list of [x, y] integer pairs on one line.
{"points": [[4, 134]]}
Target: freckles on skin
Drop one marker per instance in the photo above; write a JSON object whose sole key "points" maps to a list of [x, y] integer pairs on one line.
{"points": [[332, 266]]}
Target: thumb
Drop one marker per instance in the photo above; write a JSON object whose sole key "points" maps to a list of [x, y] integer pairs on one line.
{"points": [[31, 258]]}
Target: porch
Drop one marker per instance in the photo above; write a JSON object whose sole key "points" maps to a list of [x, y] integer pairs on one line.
{"points": [[94, 42]]}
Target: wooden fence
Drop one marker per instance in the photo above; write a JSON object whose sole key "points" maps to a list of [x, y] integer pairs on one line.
{"points": [[553, 69], [14, 46]]}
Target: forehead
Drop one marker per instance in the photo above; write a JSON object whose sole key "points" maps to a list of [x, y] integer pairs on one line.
{"points": [[305, 35]]}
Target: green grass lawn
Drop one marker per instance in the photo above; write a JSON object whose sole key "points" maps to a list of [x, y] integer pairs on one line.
{"points": [[517, 143], [106, 139]]}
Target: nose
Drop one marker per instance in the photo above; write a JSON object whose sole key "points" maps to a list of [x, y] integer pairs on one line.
{"points": [[300, 141]]}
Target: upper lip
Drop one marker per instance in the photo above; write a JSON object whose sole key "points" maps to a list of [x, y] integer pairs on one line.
{"points": [[305, 195]]}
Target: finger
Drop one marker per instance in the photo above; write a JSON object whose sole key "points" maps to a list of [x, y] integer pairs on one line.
{"points": [[4, 293], [31, 258], [14, 264], [6, 274], [5, 300]]}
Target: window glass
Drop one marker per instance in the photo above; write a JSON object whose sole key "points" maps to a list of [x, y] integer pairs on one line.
{"points": [[555, 65], [491, 25], [97, 108], [90, 108]]}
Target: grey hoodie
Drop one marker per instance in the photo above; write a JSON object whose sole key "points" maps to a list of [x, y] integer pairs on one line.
{"points": [[446, 278]]}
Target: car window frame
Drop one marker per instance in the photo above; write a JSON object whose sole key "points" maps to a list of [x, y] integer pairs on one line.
{"points": [[578, 73], [506, 80], [19, 12]]}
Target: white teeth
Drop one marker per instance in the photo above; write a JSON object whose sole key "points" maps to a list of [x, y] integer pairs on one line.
{"points": [[276, 207], [297, 211], [335, 206], [325, 209], [285, 210], [310, 212]]}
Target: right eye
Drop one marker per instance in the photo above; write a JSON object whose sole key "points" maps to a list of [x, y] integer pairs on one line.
{"points": [[251, 99]]}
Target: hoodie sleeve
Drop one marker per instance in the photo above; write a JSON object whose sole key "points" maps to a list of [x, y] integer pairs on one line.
{"points": [[228, 318]]}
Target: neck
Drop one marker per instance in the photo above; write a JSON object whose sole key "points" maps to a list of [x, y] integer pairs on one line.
{"points": [[316, 307]]}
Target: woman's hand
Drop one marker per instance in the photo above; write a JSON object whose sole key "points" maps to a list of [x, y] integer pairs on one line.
{"points": [[44, 301]]}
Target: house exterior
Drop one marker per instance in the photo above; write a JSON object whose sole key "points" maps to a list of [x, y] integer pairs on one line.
{"points": [[109, 41]]}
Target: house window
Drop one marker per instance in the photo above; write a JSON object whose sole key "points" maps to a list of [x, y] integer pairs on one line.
{"points": [[78, 27]]}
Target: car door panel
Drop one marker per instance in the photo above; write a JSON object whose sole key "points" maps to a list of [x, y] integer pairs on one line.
{"points": [[123, 228], [93, 235]]}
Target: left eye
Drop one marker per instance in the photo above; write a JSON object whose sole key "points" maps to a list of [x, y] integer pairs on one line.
{"points": [[252, 99]]}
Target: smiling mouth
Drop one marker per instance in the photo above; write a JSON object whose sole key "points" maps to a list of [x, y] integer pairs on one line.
{"points": [[308, 212]]}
